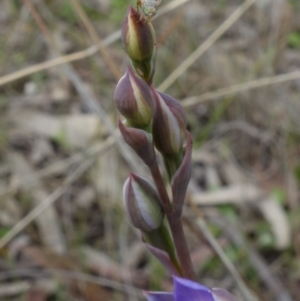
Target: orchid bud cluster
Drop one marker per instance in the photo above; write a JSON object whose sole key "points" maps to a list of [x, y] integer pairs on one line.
{"points": [[153, 122]]}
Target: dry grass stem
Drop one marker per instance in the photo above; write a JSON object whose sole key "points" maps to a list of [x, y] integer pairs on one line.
{"points": [[205, 45], [246, 293], [95, 37], [80, 54], [254, 84], [60, 166], [54, 196]]}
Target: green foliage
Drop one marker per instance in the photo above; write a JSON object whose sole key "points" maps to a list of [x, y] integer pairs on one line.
{"points": [[279, 194], [295, 3], [265, 238], [229, 211], [216, 116], [3, 231], [19, 57], [158, 274], [294, 39], [61, 140], [91, 13], [67, 13], [119, 8]]}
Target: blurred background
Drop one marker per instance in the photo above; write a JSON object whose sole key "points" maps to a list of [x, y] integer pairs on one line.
{"points": [[63, 232]]}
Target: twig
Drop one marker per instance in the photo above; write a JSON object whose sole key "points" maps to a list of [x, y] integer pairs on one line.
{"points": [[48, 201], [80, 276], [15, 288], [205, 45], [92, 32], [222, 255], [47, 65], [86, 95], [254, 84], [80, 54], [25, 221], [277, 289], [60, 166]]}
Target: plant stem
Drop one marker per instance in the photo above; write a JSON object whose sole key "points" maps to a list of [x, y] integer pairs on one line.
{"points": [[181, 247], [175, 225], [159, 183]]}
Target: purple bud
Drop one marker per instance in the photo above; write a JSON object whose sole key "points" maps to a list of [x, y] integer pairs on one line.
{"points": [[138, 38], [140, 141], [142, 204], [134, 100], [169, 124]]}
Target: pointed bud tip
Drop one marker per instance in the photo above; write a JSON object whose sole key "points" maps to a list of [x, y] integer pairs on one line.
{"points": [[142, 204], [169, 124], [140, 141], [138, 38], [133, 99]]}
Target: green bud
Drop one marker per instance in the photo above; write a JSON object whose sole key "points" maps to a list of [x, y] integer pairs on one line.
{"points": [[138, 38]]}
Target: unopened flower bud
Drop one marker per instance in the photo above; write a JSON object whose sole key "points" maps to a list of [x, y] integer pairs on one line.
{"points": [[169, 124], [140, 141], [138, 38], [142, 204], [134, 100]]}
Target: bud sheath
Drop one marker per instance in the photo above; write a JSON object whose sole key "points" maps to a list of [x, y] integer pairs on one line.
{"points": [[142, 204], [138, 38], [169, 124], [134, 100]]}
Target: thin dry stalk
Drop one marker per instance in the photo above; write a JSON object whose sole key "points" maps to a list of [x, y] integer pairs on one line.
{"points": [[254, 84], [205, 45], [86, 95], [80, 54], [94, 35], [272, 282], [60, 166], [50, 199], [72, 275], [33, 214], [246, 293], [47, 65]]}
